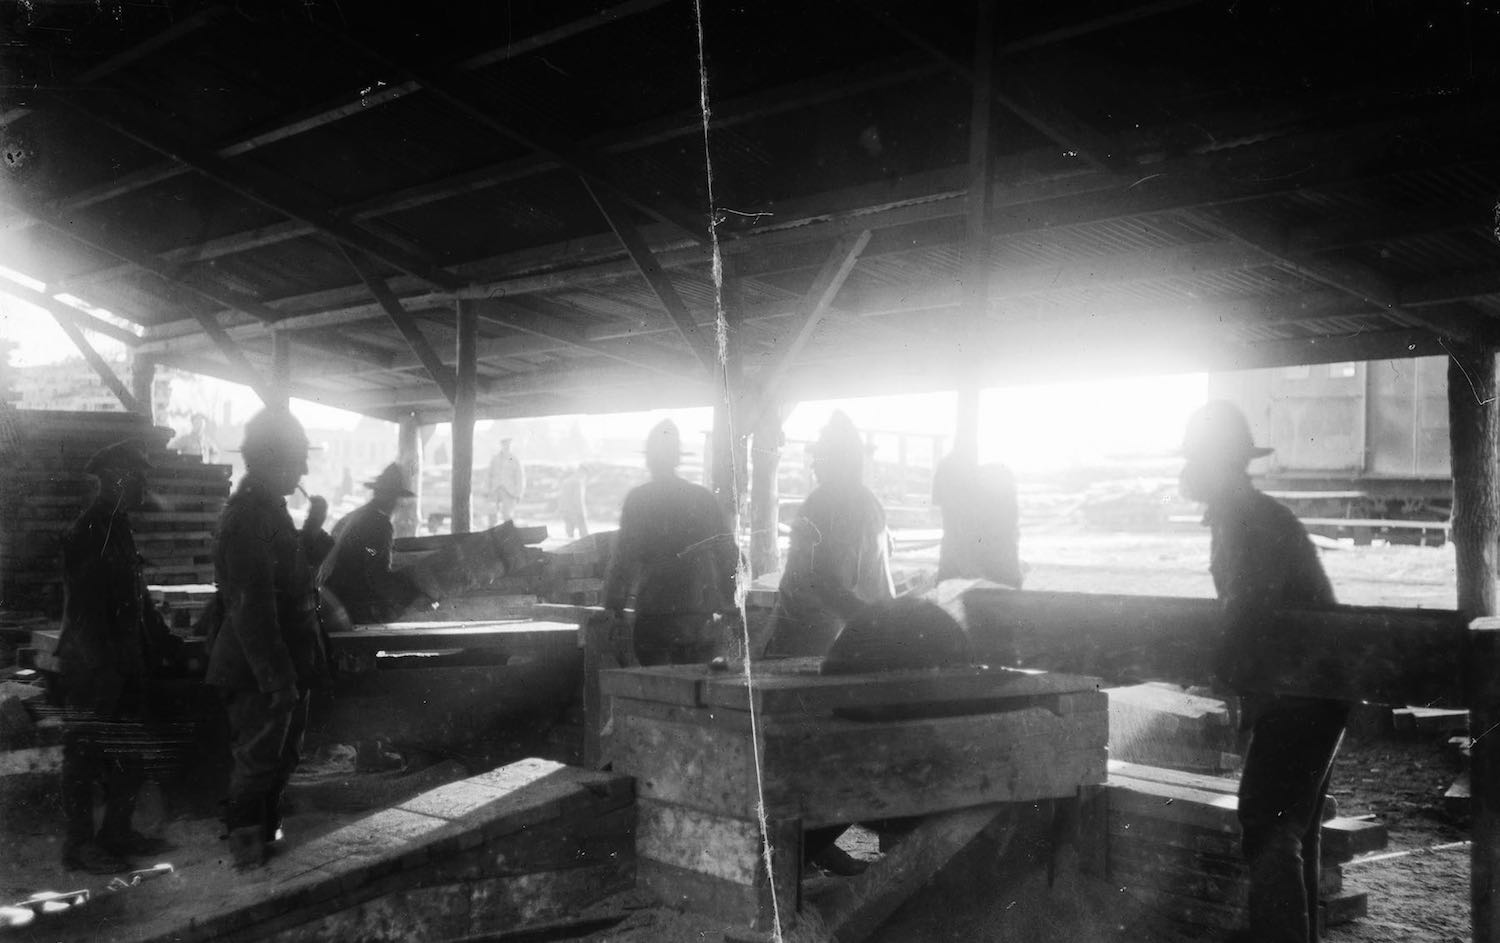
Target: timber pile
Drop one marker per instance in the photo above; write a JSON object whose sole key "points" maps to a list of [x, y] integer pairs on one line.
{"points": [[484, 576], [1162, 725], [575, 572], [1173, 842], [43, 488]]}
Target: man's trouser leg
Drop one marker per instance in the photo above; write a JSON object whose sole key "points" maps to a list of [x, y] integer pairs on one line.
{"points": [[79, 773], [258, 732], [291, 757], [1280, 810]]}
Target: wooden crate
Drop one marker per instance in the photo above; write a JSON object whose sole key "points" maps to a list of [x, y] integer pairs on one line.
{"points": [[832, 750]]}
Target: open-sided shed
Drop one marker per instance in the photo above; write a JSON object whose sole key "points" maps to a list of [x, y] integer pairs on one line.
{"points": [[426, 212]]}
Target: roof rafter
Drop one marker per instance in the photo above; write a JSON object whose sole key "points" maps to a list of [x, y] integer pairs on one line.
{"points": [[445, 378]]}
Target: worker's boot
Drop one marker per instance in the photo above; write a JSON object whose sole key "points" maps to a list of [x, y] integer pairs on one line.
{"points": [[247, 846]]}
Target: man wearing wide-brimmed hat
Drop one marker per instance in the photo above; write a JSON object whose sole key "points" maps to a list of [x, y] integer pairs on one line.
{"points": [[1262, 561], [112, 640], [358, 570]]}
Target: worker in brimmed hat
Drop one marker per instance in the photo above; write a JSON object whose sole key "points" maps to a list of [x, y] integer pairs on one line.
{"points": [[1262, 560], [504, 483], [358, 569], [674, 555], [838, 561], [265, 650], [111, 645]]}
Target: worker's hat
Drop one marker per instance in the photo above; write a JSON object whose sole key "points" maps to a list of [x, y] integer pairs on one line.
{"points": [[839, 439], [273, 431], [1219, 431], [664, 441], [122, 456], [391, 480]]}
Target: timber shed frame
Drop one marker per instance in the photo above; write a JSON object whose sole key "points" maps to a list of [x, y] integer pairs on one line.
{"points": [[435, 212]]}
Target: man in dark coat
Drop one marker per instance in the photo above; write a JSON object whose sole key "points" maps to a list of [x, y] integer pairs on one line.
{"points": [[358, 569], [112, 640], [675, 554], [1262, 561], [266, 651]]}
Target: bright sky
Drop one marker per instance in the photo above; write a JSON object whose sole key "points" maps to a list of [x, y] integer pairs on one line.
{"points": [[1031, 428]]}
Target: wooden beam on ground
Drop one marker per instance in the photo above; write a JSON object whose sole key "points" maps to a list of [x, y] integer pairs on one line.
{"points": [[856, 908], [280, 195], [463, 417], [651, 270], [816, 303], [403, 323], [102, 368]]}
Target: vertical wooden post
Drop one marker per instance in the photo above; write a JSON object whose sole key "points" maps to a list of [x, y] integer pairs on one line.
{"points": [[409, 456], [1473, 423], [281, 366], [463, 416], [142, 382], [730, 439], [765, 499]]}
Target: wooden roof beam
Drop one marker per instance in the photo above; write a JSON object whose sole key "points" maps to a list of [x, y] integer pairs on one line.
{"points": [[60, 310], [815, 305], [531, 317], [121, 391], [655, 276], [444, 377]]}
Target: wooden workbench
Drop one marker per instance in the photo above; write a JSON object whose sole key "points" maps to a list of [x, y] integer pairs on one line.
{"points": [[833, 750]]}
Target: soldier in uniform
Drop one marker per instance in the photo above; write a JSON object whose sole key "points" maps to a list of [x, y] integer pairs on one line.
{"points": [[266, 651], [112, 639], [676, 556], [1262, 561], [358, 568]]}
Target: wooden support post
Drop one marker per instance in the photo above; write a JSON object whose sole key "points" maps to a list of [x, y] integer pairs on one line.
{"points": [[142, 384], [976, 253], [1473, 426], [281, 366], [409, 456], [463, 416], [765, 552], [101, 367]]}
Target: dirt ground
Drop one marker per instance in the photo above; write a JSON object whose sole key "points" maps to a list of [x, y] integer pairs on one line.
{"points": [[1418, 887]]}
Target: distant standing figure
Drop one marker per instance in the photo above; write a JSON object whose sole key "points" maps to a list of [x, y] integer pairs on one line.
{"points": [[571, 502], [839, 558], [112, 638], [505, 482], [317, 543], [196, 441], [676, 555], [1262, 561], [981, 535]]}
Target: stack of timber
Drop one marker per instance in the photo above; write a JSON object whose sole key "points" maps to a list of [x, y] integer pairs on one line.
{"points": [[485, 576], [1160, 724], [1173, 841], [43, 488], [575, 571]]}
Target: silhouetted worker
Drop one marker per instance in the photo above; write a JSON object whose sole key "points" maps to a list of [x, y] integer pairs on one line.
{"points": [[112, 641], [317, 543], [196, 441], [505, 482], [1262, 561], [266, 651], [571, 502], [838, 561], [358, 569], [675, 554], [981, 516]]}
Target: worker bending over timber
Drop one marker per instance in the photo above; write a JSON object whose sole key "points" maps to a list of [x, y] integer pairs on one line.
{"points": [[839, 559], [111, 644], [676, 555], [1262, 561], [358, 568], [265, 652]]}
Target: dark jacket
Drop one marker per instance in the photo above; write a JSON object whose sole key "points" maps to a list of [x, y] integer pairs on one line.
{"points": [[268, 637], [837, 564], [674, 553], [110, 626], [1261, 560], [358, 569]]}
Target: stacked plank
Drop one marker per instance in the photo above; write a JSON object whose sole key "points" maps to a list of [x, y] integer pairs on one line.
{"points": [[1174, 842], [484, 576], [575, 572], [1162, 725], [43, 488]]}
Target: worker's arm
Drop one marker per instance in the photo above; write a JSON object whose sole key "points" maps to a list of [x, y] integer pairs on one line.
{"points": [[250, 599], [625, 562]]}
